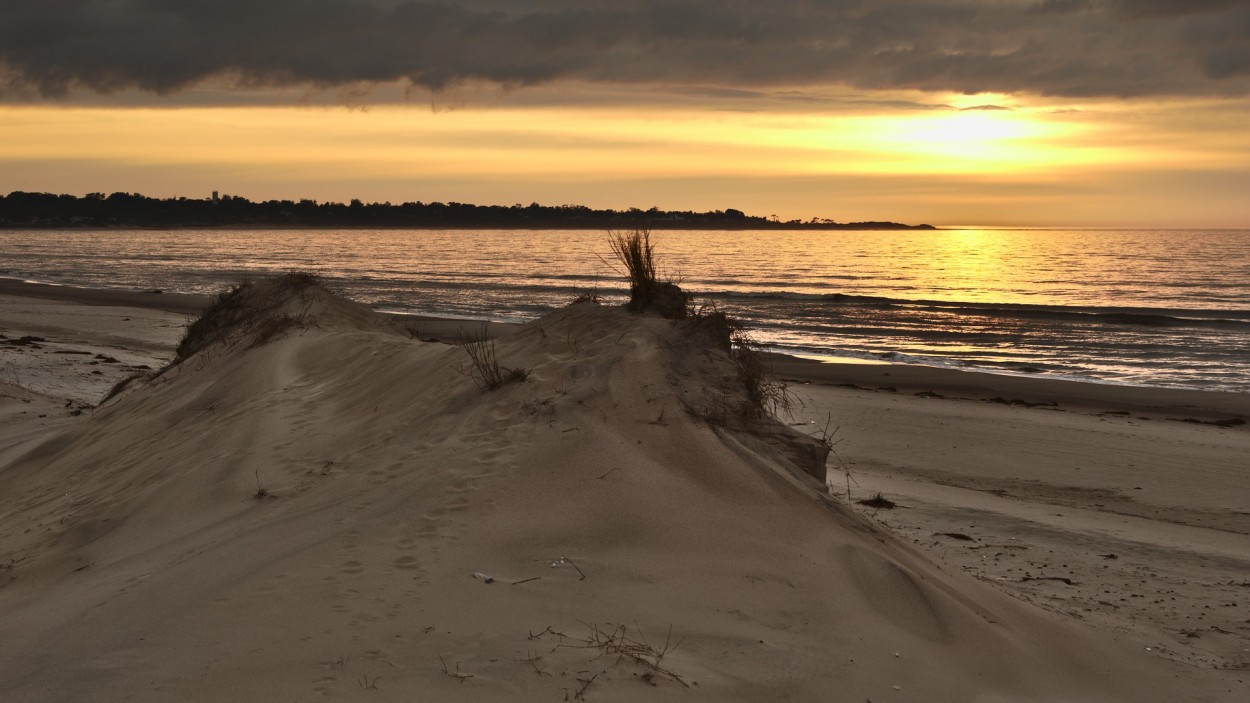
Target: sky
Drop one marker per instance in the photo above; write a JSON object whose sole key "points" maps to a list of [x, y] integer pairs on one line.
{"points": [[1061, 113]]}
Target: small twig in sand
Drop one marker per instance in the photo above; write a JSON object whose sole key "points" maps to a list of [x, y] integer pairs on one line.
{"points": [[831, 440], [366, 684], [532, 578], [669, 645], [547, 631], [575, 566], [534, 660], [577, 696], [454, 674], [261, 492], [615, 468]]}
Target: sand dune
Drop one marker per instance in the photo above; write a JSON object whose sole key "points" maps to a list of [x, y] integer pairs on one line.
{"points": [[315, 505]]}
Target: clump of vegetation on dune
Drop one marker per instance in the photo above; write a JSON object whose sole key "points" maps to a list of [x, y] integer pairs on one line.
{"points": [[647, 293], [484, 367], [247, 310], [765, 393], [120, 386], [589, 297], [752, 402], [635, 252]]}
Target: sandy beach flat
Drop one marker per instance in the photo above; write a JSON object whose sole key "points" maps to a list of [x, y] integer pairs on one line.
{"points": [[1119, 506], [338, 511]]}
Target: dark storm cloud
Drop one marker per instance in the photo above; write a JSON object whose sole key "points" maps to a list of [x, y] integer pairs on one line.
{"points": [[53, 48], [1140, 8]]}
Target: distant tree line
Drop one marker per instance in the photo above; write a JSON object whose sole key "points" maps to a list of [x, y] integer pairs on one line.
{"points": [[46, 210]]}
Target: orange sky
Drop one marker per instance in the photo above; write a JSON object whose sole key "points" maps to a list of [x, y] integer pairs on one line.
{"points": [[1168, 163]]}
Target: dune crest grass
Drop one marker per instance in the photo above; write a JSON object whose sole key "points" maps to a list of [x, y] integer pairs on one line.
{"points": [[245, 309], [634, 251]]}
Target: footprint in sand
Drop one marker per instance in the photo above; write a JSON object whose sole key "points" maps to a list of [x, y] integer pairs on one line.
{"points": [[324, 684], [461, 486], [407, 563], [430, 527]]}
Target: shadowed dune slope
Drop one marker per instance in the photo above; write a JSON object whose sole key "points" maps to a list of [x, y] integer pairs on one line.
{"points": [[297, 511]]}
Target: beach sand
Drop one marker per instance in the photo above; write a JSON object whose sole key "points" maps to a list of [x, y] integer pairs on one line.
{"points": [[340, 512], [1125, 507]]}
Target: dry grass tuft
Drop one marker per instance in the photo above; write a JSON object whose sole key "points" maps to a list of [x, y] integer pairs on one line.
{"points": [[879, 502], [121, 386], [243, 310], [634, 251], [587, 296], [621, 643], [765, 393], [484, 368], [222, 314], [273, 326]]}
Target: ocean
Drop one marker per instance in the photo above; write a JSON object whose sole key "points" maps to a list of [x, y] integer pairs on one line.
{"points": [[1142, 307]]}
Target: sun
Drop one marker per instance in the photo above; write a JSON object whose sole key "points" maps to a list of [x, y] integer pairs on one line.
{"points": [[968, 140]]}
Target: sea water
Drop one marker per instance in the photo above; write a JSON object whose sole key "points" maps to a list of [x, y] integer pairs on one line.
{"points": [[1144, 307]]}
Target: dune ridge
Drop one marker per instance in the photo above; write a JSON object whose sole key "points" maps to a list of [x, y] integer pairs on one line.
{"points": [[334, 509]]}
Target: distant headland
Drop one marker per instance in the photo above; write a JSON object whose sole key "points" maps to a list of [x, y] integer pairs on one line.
{"points": [[119, 210]]}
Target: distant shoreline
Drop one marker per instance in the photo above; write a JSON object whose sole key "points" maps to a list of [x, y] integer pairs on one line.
{"points": [[20, 210], [662, 227]]}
